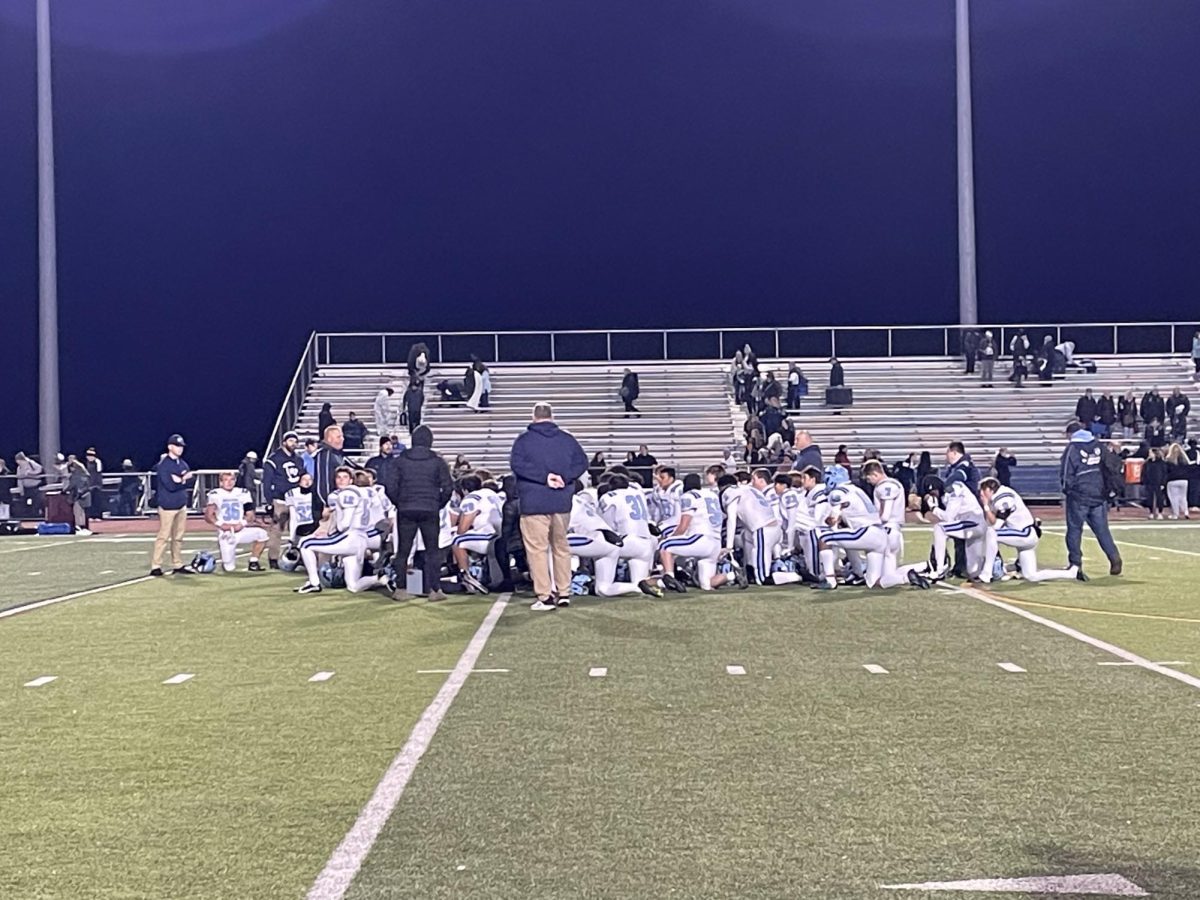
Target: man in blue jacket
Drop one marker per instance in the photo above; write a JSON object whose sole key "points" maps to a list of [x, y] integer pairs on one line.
{"points": [[1083, 485], [174, 488], [546, 462], [281, 473]]}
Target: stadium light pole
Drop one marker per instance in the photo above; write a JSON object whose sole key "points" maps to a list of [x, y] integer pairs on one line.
{"points": [[968, 300], [48, 395]]}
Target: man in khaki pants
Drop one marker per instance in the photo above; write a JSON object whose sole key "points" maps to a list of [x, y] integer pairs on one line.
{"points": [[174, 484], [547, 462]]}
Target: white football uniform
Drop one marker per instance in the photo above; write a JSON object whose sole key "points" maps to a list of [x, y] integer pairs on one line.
{"points": [[351, 513], [666, 502], [231, 509], [485, 507], [1015, 528], [860, 529], [300, 506], [585, 536], [702, 539], [962, 518], [890, 502], [379, 509], [747, 505], [626, 513]]}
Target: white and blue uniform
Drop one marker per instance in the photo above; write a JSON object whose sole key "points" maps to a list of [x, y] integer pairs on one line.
{"points": [[701, 540], [860, 529], [379, 509], [890, 501], [486, 506], [586, 539], [300, 506], [626, 513], [1014, 528], [961, 518], [231, 510], [666, 507], [747, 505], [350, 509]]}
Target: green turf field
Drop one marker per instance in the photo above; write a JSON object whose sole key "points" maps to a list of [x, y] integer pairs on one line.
{"points": [[807, 776]]}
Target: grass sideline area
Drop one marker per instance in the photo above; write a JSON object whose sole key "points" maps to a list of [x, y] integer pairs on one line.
{"points": [[668, 776]]}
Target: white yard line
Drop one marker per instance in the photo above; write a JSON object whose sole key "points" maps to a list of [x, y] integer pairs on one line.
{"points": [[25, 547], [597, 671], [180, 678], [1010, 667], [38, 682], [448, 671], [1078, 635], [17, 610], [347, 859], [736, 670], [322, 676], [874, 669]]}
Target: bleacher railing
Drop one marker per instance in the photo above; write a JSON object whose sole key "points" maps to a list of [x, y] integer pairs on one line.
{"points": [[681, 344], [297, 391]]}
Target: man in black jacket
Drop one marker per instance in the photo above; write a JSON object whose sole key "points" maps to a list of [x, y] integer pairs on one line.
{"points": [[281, 473], [419, 484], [630, 390]]}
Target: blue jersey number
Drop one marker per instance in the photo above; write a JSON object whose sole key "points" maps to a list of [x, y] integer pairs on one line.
{"points": [[637, 507], [231, 511], [714, 512]]}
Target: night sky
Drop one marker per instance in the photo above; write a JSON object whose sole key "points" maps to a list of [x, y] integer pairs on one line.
{"points": [[233, 174]]}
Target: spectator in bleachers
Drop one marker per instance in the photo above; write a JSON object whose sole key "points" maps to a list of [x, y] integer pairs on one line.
{"points": [[1177, 482], [1193, 457], [462, 466], [1153, 406], [797, 387], [1156, 436], [7, 481], [643, 464], [771, 390], [1106, 414], [1196, 353], [1018, 348], [1045, 360], [355, 432], [837, 374], [987, 359], [324, 418], [842, 458], [58, 473], [129, 491], [310, 450], [905, 472], [630, 389], [771, 417], [750, 358], [756, 439], [807, 453], [1178, 408], [473, 383], [384, 412], [1127, 414], [1154, 483], [787, 430], [970, 350], [414, 400], [1004, 464], [1020, 371], [418, 365], [596, 468], [1085, 409]]}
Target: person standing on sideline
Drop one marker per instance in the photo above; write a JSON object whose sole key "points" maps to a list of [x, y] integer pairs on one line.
{"points": [[79, 492], [95, 470], [418, 484], [326, 461], [174, 485], [1083, 485], [629, 391], [281, 474], [547, 461]]}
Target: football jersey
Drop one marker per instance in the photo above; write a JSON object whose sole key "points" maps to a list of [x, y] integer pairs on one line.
{"points": [[231, 505], [626, 513], [301, 505], [794, 511], [351, 510], [666, 501], [890, 501], [495, 507], [961, 505], [379, 506], [854, 506], [1011, 510], [481, 504], [585, 517], [704, 511], [753, 509]]}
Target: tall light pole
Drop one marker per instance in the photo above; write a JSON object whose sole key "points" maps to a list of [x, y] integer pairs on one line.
{"points": [[968, 301], [48, 412]]}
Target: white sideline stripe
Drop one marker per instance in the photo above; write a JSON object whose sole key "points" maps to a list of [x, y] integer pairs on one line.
{"points": [[36, 546], [347, 859], [4, 614], [874, 669], [322, 676], [180, 678], [108, 572], [1166, 662], [38, 682], [33, 574], [448, 671], [1010, 667], [1106, 884], [1119, 652], [597, 672], [736, 670]]}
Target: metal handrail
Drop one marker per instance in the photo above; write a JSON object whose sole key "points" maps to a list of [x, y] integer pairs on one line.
{"points": [[294, 398]]}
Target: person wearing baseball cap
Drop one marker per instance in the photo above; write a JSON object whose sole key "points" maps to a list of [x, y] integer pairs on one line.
{"points": [[174, 486], [281, 473]]}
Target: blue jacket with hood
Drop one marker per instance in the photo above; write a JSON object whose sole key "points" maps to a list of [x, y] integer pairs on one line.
{"points": [[1082, 472], [542, 449]]}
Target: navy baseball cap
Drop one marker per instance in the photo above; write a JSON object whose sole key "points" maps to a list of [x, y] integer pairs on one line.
{"points": [[290, 435], [177, 440]]}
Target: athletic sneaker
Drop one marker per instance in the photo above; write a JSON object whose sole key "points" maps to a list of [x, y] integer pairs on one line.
{"points": [[82, 531], [919, 581], [543, 605], [308, 588], [400, 595], [823, 585], [650, 588], [739, 576], [562, 601], [473, 584], [255, 566], [157, 573], [183, 570], [671, 583], [436, 596], [853, 580]]}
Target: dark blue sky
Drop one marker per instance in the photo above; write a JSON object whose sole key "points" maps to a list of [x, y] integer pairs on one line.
{"points": [[232, 175]]}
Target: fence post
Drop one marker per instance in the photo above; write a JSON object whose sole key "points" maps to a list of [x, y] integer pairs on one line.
{"points": [[383, 348], [889, 334], [1115, 351], [440, 348], [495, 348], [721, 344], [553, 357], [833, 342], [777, 343], [608, 345], [945, 341], [666, 356], [1172, 338]]}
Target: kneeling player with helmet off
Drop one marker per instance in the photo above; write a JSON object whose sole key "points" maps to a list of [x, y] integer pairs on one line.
{"points": [[231, 510], [350, 514], [961, 517], [698, 536], [479, 517], [1012, 524], [624, 509], [852, 524], [590, 537], [889, 497], [748, 505]]}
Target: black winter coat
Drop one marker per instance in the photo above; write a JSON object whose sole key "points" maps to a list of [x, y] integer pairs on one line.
{"points": [[418, 481]]}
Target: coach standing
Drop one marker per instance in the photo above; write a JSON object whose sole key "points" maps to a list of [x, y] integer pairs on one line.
{"points": [[1083, 484], [325, 463], [281, 472], [547, 461], [174, 486], [418, 483]]}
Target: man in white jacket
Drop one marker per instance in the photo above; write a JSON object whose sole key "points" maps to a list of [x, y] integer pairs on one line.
{"points": [[385, 413]]}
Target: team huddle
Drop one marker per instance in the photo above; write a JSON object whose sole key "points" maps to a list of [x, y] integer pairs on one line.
{"points": [[712, 531]]}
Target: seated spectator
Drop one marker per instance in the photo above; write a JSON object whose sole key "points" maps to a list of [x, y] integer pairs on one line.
{"points": [[772, 416], [905, 472], [642, 464], [596, 467], [355, 433], [787, 430], [1004, 464]]}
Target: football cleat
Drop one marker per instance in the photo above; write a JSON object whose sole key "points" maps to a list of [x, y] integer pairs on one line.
{"points": [[255, 566], [650, 588], [671, 583], [919, 581], [824, 585], [1037, 527], [739, 576], [473, 584], [308, 588], [1079, 574]]}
